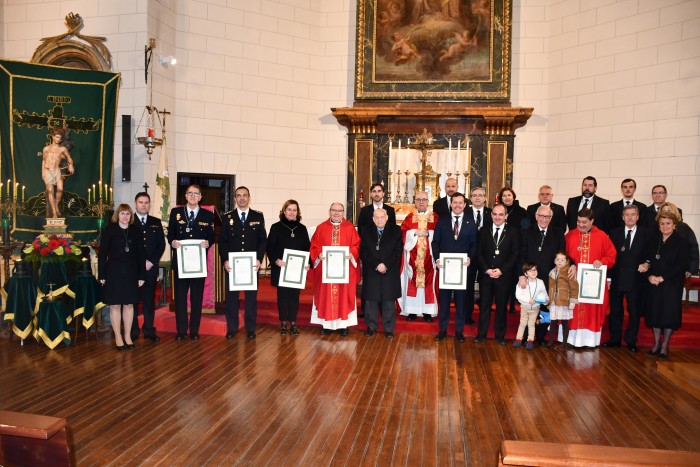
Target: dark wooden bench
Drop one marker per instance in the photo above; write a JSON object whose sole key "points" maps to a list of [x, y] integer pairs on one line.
{"points": [[28, 439], [528, 453]]}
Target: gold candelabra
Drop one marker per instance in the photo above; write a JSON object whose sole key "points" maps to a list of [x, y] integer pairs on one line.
{"points": [[426, 177]]}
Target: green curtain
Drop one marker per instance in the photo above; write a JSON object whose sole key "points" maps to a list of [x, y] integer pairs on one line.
{"points": [[35, 98]]}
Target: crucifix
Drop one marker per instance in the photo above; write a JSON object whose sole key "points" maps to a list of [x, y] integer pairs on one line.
{"points": [[145, 187]]}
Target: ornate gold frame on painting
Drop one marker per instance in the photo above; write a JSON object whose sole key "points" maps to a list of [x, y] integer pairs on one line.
{"points": [[433, 50]]}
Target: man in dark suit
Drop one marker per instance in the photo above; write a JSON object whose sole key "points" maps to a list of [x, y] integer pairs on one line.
{"points": [[154, 240], [482, 218], [498, 253], [242, 229], [442, 206], [381, 247], [455, 233], [540, 245], [189, 222], [364, 219], [627, 187], [658, 195], [545, 196], [589, 200], [627, 278]]}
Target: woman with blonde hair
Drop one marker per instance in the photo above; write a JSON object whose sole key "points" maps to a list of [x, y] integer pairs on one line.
{"points": [[687, 233], [121, 270]]}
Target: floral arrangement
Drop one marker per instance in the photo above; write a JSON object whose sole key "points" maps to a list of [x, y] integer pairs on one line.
{"points": [[52, 248]]}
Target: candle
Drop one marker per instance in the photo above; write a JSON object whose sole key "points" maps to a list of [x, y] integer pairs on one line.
{"points": [[459, 147], [8, 189], [16, 190], [23, 187], [99, 185], [111, 195], [106, 194], [398, 162], [0, 191], [89, 190], [151, 133], [466, 169], [392, 160]]}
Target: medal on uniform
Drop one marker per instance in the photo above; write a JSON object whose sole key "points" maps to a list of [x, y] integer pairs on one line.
{"points": [[658, 256], [497, 251], [539, 248], [455, 237], [187, 229], [622, 249], [292, 235], [126, 248], [377, 247]]}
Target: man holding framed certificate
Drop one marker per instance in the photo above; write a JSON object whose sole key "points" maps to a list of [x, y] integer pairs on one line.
{"points": [[242, 229], [335, 278], [190, 223], [455, 233]]}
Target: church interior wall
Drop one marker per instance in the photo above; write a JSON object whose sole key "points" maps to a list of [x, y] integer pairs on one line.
{"points": [[615, 87]]}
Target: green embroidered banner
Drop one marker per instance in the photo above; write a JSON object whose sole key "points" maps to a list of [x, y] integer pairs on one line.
{"points": [[36, 102]]}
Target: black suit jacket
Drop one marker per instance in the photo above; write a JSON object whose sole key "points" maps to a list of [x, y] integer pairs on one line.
{"points": [[375, 285], [541, 251], [651, 216], [441, 208], [623, 275], [558, 215], [201, 229], [444, 240], [599, 206], [486, 221], [153, 239], [615, 214], [508, 250], [236, 236], [364, 218]]}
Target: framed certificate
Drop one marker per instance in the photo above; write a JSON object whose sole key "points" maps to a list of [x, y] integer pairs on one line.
{"points": [[293, 274], [191, 259], [336, 267], [453, 274], [591, 283], [243, 275]]}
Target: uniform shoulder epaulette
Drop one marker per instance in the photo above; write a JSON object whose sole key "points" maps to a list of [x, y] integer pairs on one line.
{"points": [[255, 210], [228, 212]]}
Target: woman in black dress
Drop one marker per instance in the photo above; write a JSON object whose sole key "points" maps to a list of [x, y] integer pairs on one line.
{"points": [[687, 233], [121, 270], [668, 262], [289, 233]]}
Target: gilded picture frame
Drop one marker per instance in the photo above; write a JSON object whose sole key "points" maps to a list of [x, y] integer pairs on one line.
{"points": [[433, 50]]}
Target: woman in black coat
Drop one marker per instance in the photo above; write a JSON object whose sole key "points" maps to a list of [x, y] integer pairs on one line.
{"points": [[288, 233], [668, 262], [121, 271], [517, 217]]}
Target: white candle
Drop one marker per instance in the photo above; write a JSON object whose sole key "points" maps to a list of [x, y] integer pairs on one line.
{"points": [[466, 167], [459, 147], [398, 159]]}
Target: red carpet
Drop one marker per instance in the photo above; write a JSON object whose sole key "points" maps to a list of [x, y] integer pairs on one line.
{"points": [[686, 337]]}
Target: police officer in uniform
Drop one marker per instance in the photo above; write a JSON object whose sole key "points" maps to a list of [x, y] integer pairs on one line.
{"points": [[189, 222], [154, 240], [243, 229]]}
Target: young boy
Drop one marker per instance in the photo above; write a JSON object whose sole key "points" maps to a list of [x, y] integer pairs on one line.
{"points": [[530, 299]]}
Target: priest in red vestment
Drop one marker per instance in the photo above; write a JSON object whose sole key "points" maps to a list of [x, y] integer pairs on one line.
{"points": [[417, 270], [334, 305], [588, 244]]}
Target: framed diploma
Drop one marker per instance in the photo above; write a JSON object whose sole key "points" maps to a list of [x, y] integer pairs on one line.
{"points": [[293, 274], [336, 266], [453, 274], [591, 283], [191, 259], [243, 275]]}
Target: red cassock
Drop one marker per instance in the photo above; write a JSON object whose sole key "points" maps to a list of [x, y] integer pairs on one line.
{"points": [[587, 323], [335, 305], [417, 270]]}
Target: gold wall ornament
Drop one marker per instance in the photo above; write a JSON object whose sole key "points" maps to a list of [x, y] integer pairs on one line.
{"points": [[74, 50]]}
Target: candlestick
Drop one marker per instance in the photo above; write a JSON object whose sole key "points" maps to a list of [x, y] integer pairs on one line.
{"points": [[111, 195], [1, 191], [405, 198], [16, 190], [99, 185], [23, 187], [388, 187], [106, 193], [8, 189]]}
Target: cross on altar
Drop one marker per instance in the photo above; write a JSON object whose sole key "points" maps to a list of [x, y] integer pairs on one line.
{"points": [[145, 187]]}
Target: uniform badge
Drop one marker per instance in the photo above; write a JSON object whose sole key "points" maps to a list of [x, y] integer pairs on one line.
{"points": [[177, 217]]}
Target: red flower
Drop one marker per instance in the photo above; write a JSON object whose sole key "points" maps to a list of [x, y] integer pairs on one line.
{"points": [[53, 244], [63, 242], [45, 251]]}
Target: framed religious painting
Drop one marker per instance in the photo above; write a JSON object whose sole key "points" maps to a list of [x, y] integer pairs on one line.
{"points": [[433, 50]]}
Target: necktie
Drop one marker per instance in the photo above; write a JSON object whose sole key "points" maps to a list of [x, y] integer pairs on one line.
{"points": [[585, 203], [191, 216], [143, 220], [381, 232], [627, 203], [542, 232], [495, 236], [478, 219], [456, 228], [628, 239], [243, 217]]}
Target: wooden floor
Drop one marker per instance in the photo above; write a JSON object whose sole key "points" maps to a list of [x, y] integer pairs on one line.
{"points": [[322, 400]]}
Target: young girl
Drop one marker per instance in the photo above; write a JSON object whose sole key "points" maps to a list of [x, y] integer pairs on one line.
{"points": [[530, 299], [564, 296]]}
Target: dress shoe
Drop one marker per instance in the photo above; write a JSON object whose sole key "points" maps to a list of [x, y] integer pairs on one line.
{"points": [[501, 342], [153, 338], [470, 322], [119, 348], [230, 335], [250, 335], [633, 348], [530, 345], [517, 343], [283, 330], [325, 332], [180, 337], [368, 332], [652, 353], [428, 318], [460, 337], [478, 340], [344, 332], [389, 335], [411, 317], [611, 344], [194, 337], [293, 330], [441, 336]]}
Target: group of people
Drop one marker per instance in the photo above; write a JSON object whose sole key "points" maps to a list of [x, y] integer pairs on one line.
{"points": [[513, 254]]}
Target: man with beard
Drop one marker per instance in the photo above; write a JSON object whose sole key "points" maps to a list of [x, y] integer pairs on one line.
{"points": [[443, 206], [588, 200]]}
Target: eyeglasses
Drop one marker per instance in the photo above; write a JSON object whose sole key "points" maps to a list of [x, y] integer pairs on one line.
{"points": [[337, 210], [193, 193], [543, 216], [658, 192], [425, 200]]}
